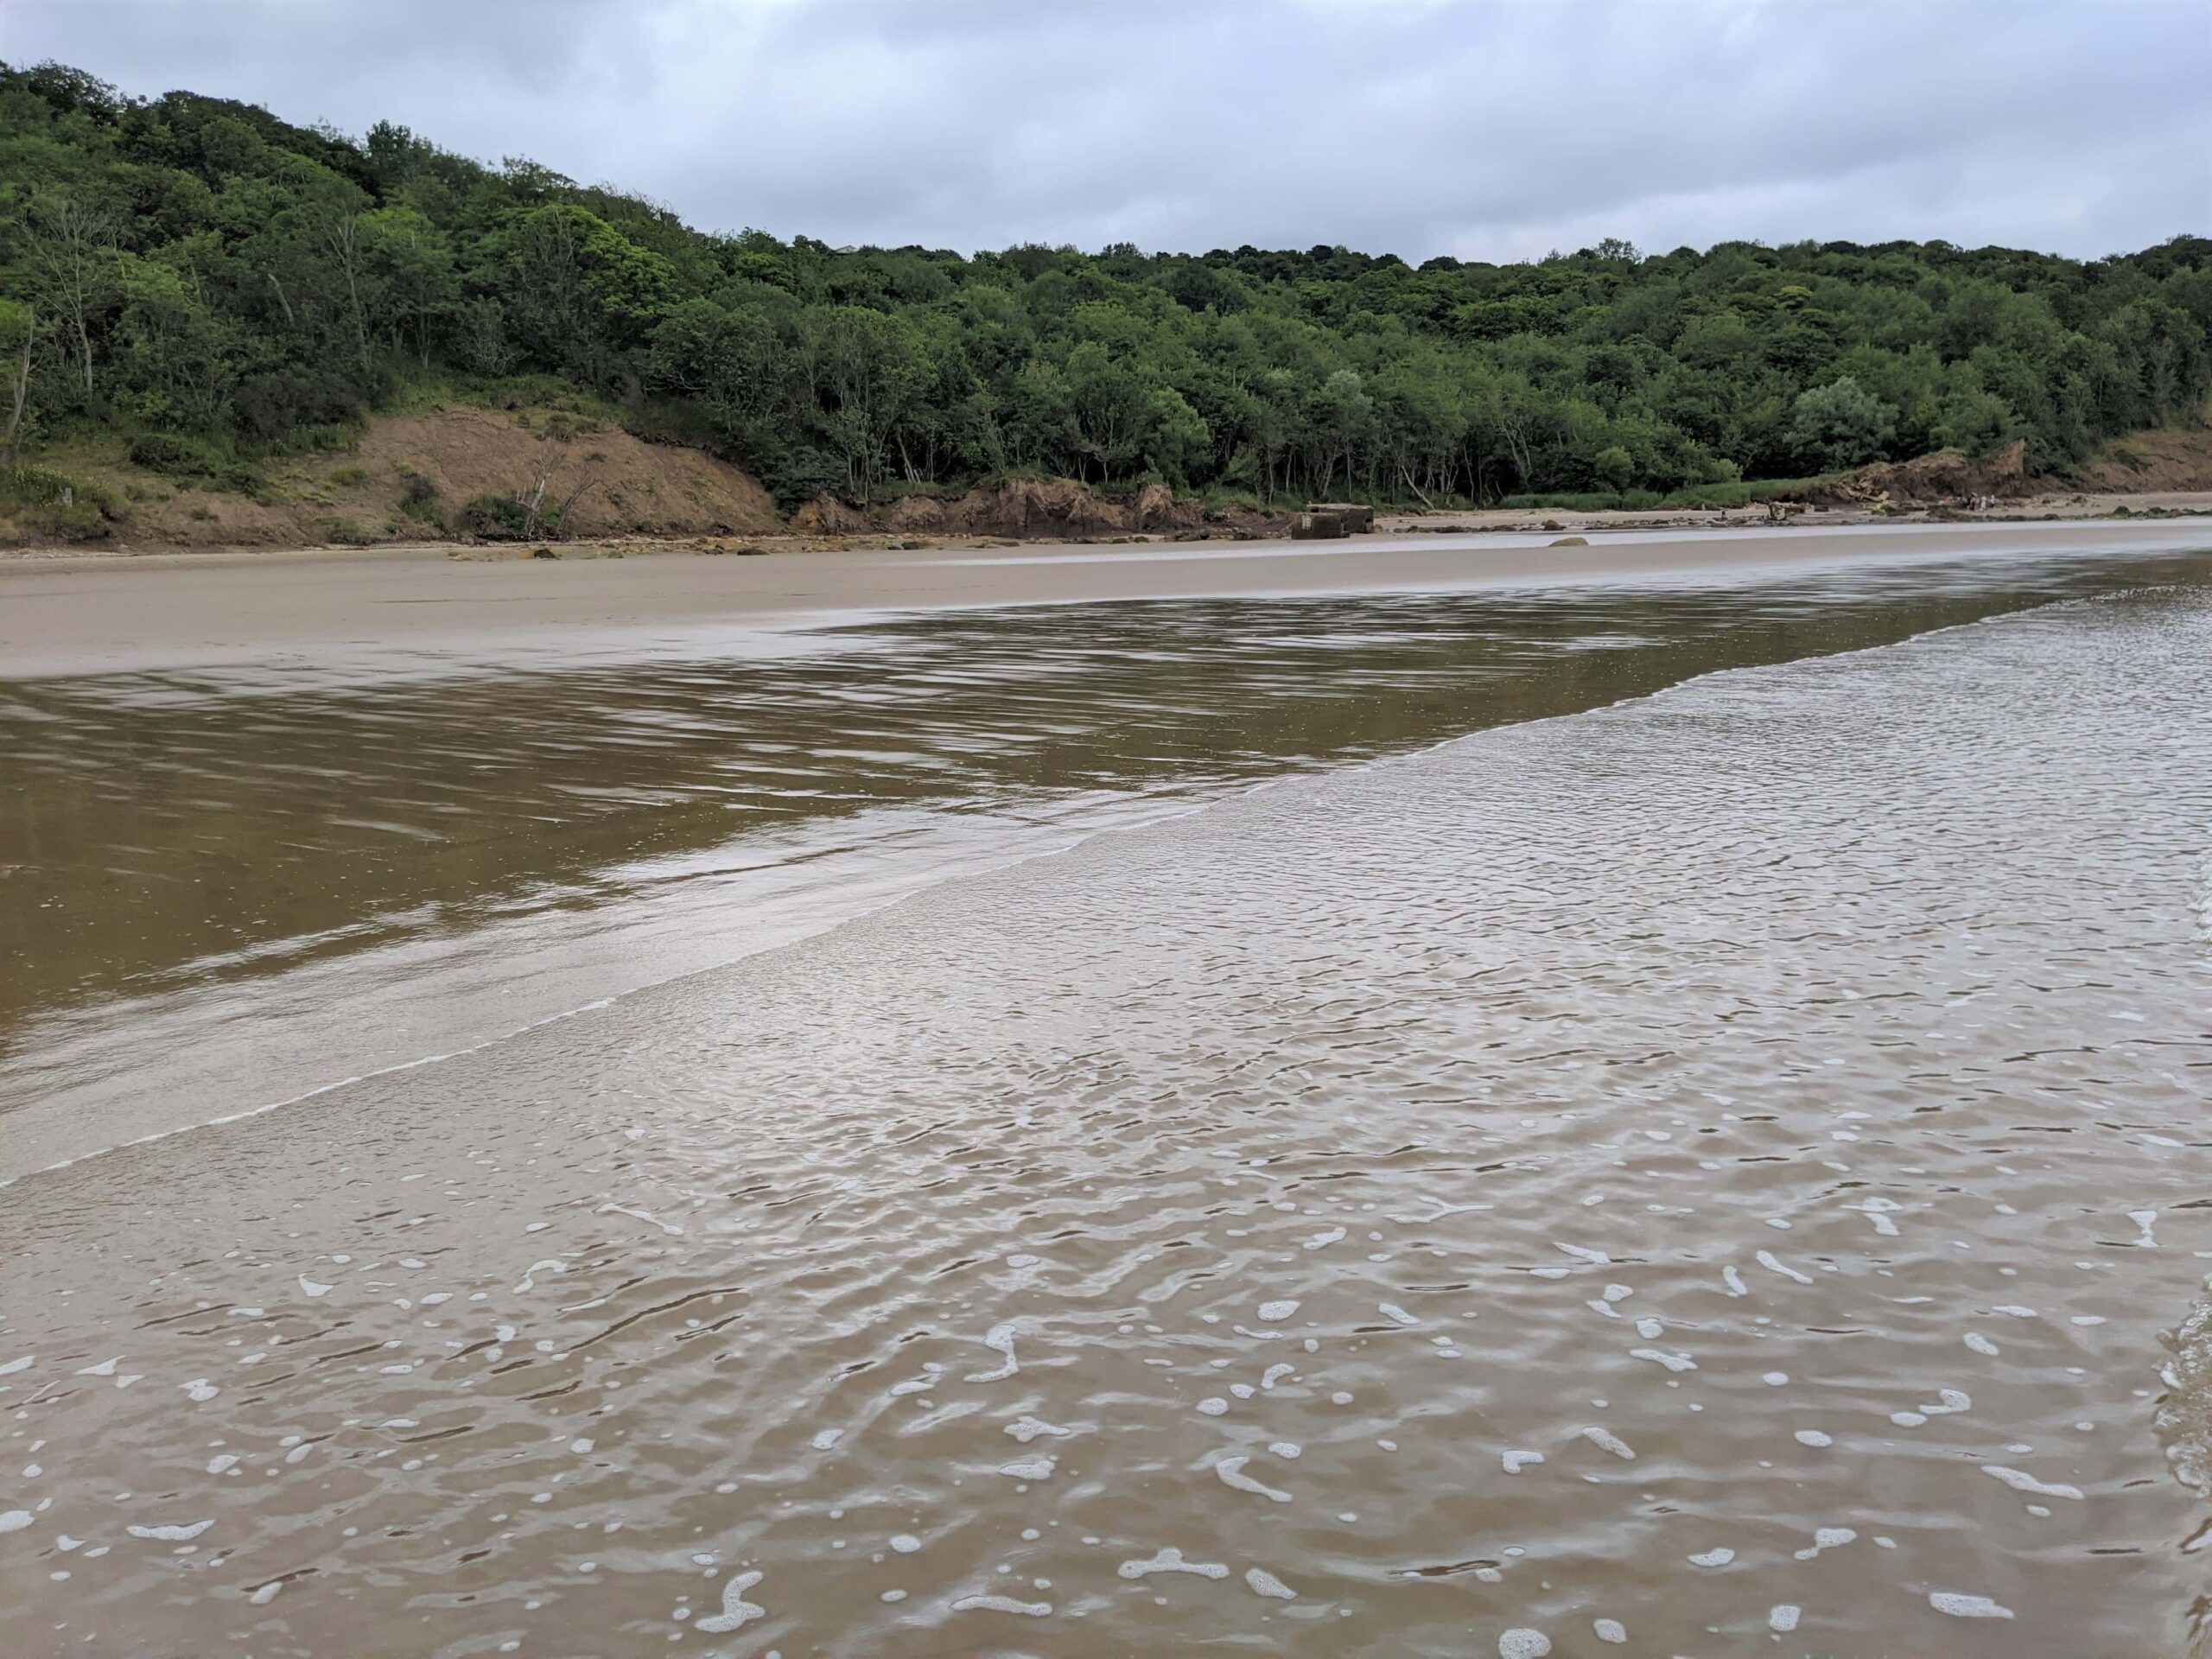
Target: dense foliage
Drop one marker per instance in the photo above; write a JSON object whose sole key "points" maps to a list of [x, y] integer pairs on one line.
{"points": [[215, 283]]}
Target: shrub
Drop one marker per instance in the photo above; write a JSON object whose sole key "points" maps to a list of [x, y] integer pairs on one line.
{"points": [[349, 475], [55, 504], [800, 473], [275, 405], [166, 453], [494, 517]]}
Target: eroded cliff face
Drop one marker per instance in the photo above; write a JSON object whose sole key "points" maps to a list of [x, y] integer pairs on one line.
{"points": [[1038, 509]]}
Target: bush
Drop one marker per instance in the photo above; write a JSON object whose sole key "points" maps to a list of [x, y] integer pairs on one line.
{"points": [[275, 405], [174, 456], [53, 504], [418, 490], [800, 473], [494, 517], [349, 475]]}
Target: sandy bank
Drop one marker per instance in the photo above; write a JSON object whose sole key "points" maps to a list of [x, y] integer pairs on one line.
{"points": [[67, 616]]}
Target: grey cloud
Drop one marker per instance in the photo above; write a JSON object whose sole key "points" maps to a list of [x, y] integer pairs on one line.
{"points": [[1486, 131]]}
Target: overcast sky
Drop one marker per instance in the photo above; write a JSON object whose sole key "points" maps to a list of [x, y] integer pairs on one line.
{"points": [[1484, 129]]}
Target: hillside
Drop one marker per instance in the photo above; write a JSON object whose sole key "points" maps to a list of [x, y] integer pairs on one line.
{"points": [[232, 300]]}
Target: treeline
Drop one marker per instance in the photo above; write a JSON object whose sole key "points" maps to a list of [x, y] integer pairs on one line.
{"points": [[218, 283]]}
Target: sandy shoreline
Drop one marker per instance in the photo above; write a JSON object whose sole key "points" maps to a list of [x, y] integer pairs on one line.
{"points": [[100, 615]]}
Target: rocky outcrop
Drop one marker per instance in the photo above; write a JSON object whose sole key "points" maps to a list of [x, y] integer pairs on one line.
{"points": [[827, 516], [1946, 478], [1038, 509]]}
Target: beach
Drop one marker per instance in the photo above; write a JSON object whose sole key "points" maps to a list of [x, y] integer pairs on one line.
{"points": [[76, 615]]}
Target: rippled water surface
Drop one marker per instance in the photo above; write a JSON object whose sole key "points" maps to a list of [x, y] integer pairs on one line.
{"points": [[1702, 1173]]}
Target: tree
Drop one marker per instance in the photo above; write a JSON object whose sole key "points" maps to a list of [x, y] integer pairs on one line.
{"points": [[19, 333], [865, 368], [72, 253], [1840, 424]]}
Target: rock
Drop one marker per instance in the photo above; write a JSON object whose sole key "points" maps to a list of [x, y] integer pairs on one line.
{"points": [[1312, 526], [913, 514], [1359, 518], [1155, 508], [1572, 541], [827, 516]]}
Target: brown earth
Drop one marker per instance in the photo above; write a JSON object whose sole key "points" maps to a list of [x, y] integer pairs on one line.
{"points": [[612, 483], [2169, 458], [1945, 478], [1030, 509]]}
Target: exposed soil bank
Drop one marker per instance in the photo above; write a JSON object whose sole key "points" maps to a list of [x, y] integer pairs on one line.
{"points": [[64, 616]]}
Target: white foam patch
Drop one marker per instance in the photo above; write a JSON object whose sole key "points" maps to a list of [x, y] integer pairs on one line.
{"points": [[1980, 1343], [1734, 1280], [1828, 1538], [309, 1288], [1516, 1461], [1719, 1556], [1814, 1437], [200, 1390], [1232, 1471], [1000, 1339], [1964, 1607], [1027, 1429], [904, 1543], [1213, 1405], [1610, 1629], [1660, 1357], [1002, 1605], [1265, 1583], [736, 1612], [824, 1438], [171, 1532], [1768, 1260], [1605, 1441], [1171, 1561], [14, 1365], [2020, 1481], [14, 1520], [1392, 1311], [1273, 1312], [1275, 1374], [105, 1368], [1523, 1643], [1037, 1468], [667, 1227], [217, 1465], [1783, 1618], [267, 1593]]}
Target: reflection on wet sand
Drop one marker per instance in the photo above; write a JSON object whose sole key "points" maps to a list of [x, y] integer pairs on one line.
{"points": [[1696, 1172], [202, 863]]}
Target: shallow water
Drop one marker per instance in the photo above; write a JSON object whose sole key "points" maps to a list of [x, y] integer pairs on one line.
{"points": [[226, 888], [1716, 1165]]}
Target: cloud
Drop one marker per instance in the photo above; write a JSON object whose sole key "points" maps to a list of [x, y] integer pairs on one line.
{"points": [[1484, 131]]}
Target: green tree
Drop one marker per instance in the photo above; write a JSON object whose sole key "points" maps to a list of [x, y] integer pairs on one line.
{"points": [[1840, 424]]}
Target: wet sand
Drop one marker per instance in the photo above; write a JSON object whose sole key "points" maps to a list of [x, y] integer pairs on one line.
{"points": [[1705, 1174], [102, 614]]}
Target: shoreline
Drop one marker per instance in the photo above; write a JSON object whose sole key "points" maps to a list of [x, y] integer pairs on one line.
{"points": [[421, 605]]}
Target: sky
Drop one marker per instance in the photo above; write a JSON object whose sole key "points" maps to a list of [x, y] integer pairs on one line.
{"points": [[1495, 129]]}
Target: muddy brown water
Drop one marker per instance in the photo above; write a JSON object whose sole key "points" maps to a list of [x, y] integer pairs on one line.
{"points": [[1661, 1121]]}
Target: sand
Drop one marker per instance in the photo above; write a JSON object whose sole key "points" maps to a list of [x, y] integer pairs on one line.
{"points": [[63, 616]]}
